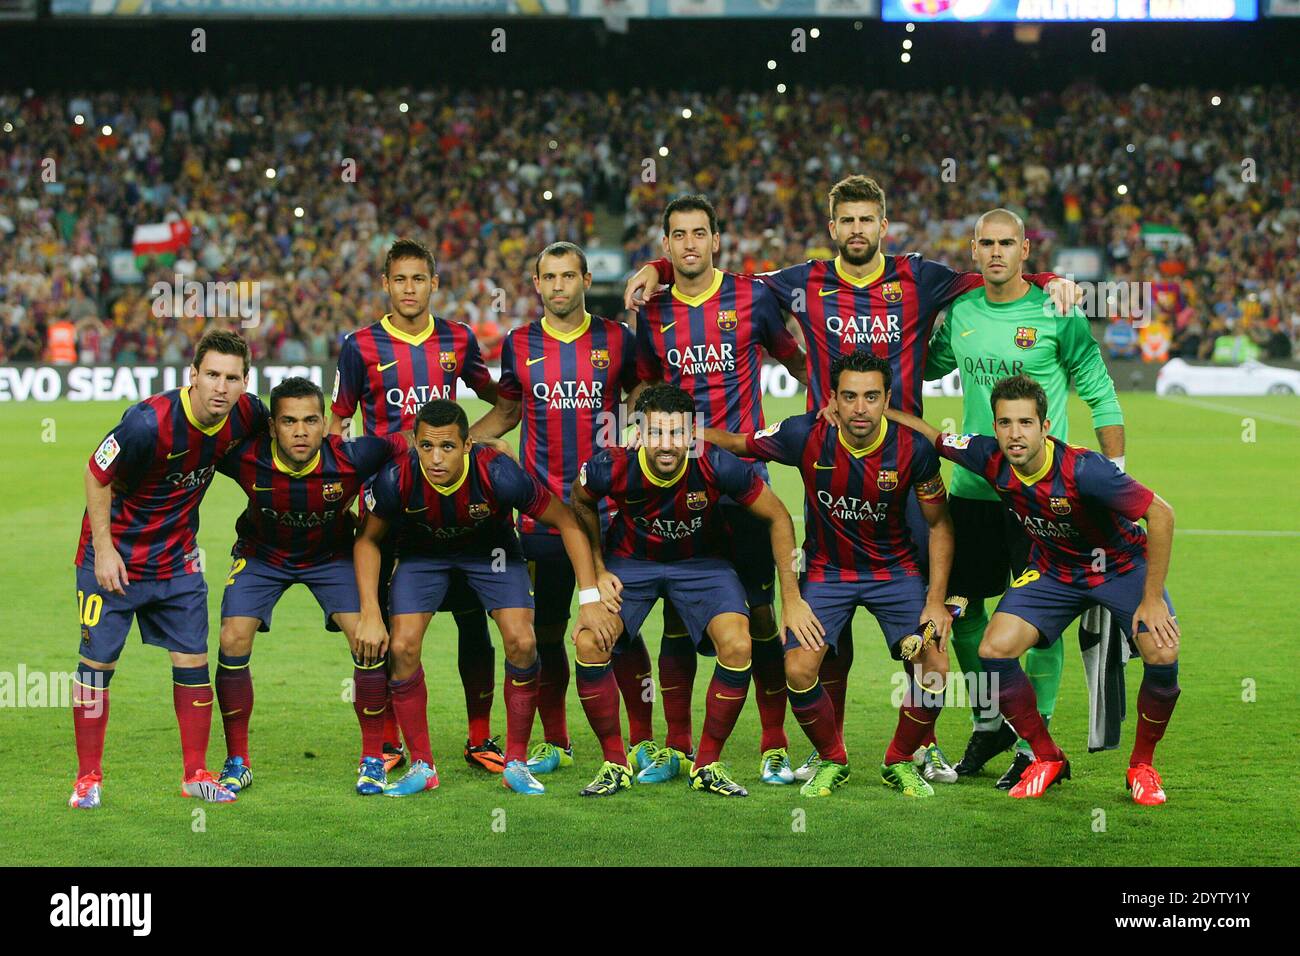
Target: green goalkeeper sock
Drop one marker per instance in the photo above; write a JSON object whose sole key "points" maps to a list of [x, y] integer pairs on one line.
{"points": [[967, 632], [1043, 667]]}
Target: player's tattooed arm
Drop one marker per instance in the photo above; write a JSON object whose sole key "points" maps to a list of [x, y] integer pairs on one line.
{"points": [[110, 569], [942, 545], [727, 441], [584, 509], [372, 636], [796, 616], [1153, 611], [916, 424]]}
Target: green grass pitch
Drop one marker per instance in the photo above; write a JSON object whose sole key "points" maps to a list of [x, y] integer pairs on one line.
{"points": [[1227, 759]]}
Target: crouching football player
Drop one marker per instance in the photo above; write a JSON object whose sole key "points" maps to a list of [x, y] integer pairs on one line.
{"points": [[451, 504], [298, 529], [859, 553], [667, 541], [1080, 512]]}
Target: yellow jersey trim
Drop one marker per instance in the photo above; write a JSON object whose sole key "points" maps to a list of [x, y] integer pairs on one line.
{"points": [[649, 472], [452, 488], [189, 413], [704, 296], [408, 338], [855, 282], [874, 446], [293, 472], [567, 337], [1047, 466]]}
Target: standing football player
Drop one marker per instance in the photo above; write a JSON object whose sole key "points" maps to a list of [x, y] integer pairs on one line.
{"points": [[1007, 327], [299, 528], [391, 368], [707, 335], [563, 378], [1080, 512], [863, 298], [138, 557], [667, 541], [859, 553], [450, 503]]}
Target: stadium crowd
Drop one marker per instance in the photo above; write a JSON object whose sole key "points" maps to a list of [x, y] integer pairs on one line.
{"points": [[1197, 197]]}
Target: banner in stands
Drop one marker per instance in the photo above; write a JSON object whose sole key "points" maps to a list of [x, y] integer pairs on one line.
{"points": [[133, 383], [1045, 11], [608, 9]]}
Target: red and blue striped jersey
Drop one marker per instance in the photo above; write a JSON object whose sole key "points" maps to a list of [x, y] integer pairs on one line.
{"points": [[855, 499], [571, 385], [891, 313], [475, 514], [668, 519], [391, 374], [1079, 510], [160, 463], [297, 517], [710, 345]]}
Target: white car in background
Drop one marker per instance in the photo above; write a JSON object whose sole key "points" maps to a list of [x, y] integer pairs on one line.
{"points": [[1179, 377]]}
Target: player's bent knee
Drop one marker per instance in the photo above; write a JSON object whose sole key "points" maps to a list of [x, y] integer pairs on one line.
{"points": [[587, 648]]}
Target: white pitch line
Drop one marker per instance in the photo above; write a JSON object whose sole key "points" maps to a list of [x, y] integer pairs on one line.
{"points": [[1230, 410]]}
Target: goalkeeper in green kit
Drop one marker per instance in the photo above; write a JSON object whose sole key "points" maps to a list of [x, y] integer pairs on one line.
{"points": [[1008, 327]]}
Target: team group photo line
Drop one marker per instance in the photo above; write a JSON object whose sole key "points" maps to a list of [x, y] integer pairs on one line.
{"points": [[641, 474]]}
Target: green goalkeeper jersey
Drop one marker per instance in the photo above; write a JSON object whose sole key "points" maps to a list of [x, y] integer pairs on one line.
{"points": [[990, 341]]}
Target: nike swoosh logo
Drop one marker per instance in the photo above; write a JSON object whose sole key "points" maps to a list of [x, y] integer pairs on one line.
{"points": [[484, 695], [178, 454], [230, 713], [822, 292], [411, 511], [372, 713], [520, 683], [536, 360], [592, 697], [770, 693], [668, 326], [633, 501], [721, 697], [667, 688], [643, 676], [818, 467], [966, 333], [807, 723], [767, 586], [389, 365], [1152, 720], [83, 703], [201, 703], [260, 488]]}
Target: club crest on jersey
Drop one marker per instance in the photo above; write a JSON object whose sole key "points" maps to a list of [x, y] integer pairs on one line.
{"points": [[600, 358], [892, 292], [332, 490], [447, 360], [1060, 506], [479, 510], [1026, 336], [887, 480], [727, 319], [697, 500]]}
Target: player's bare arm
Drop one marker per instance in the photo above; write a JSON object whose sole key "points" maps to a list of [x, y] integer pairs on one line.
{"points": [[501, 419], [727, 441], [942, 545], [584, 509], [643, 283], [372, 636], [592, 614], [110, 569], [797, 366], [916, 424], [1153, 611], [796, 616], [1110, 439]]}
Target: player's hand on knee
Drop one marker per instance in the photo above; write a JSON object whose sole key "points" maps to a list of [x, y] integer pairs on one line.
{"points": [[1154, 613], [110, 571], [937, 613], [601, 622], [611, 591], [798, 618]]}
